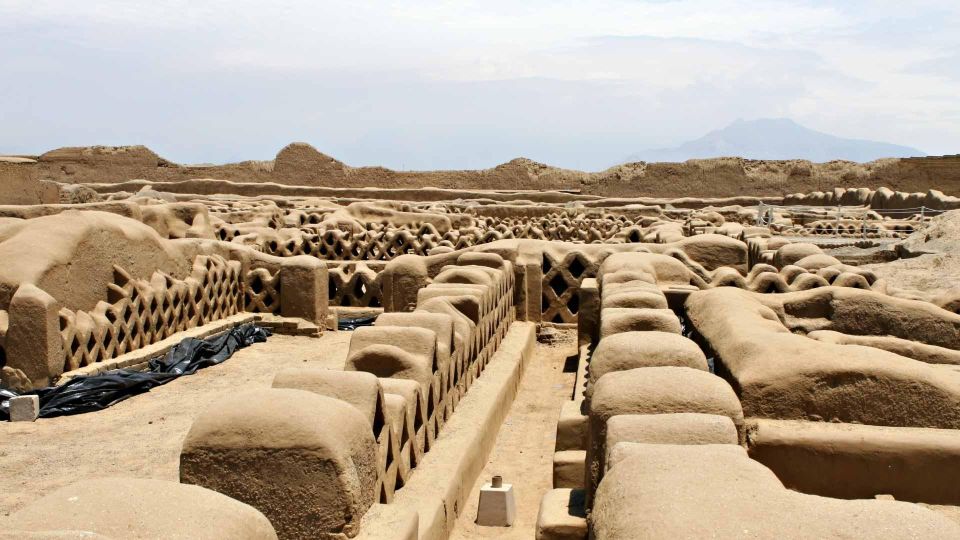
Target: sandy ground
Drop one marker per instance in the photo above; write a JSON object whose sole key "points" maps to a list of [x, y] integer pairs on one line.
{"points": [[950, 512], [141, 436], [933, 274], [937, 270], [523, 453]]}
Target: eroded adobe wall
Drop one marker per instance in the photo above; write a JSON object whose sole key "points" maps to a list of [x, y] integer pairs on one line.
{"points": [[299, 164], [669, 418], [82, 288], [19, 184]]}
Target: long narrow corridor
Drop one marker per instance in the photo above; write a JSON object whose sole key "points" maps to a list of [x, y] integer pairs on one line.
{"points": [[523, 454]]}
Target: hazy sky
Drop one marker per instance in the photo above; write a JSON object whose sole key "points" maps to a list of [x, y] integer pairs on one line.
{"points": [[462, 84]]}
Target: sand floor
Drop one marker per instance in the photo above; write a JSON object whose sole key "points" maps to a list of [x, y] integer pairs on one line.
{"points": [[523, 453], [141, 437]]}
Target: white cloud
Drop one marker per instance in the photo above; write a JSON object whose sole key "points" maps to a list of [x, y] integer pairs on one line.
{"points": [[574, 82]]}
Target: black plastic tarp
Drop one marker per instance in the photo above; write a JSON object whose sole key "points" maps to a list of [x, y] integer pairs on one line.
{"points": [[355, 322], [97, 392]]}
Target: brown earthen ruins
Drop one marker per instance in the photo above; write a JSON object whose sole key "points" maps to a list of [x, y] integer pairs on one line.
{"points": [[721, 348]]}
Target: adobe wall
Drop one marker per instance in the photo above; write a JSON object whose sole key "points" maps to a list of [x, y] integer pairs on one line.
{"points": [[19, 184], [672, 441], [299, 164]]}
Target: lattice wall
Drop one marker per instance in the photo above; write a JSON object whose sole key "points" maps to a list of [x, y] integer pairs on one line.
{"points": [[262, 291], [562, 278], [403, 444], [355, 285], [141, 312], [339, 245], [385, 242], [561, 284]]}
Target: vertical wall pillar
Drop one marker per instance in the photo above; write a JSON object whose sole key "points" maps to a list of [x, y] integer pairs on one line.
{"points": [[303, 288], [33, 345], [519, 293], [532, 264], [588, 317], [403, 277]]}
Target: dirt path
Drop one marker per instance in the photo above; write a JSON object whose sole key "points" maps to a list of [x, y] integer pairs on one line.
{"points": [[141, 437], [523, 453]]}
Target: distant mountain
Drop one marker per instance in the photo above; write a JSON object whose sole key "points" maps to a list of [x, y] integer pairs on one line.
{"points": [[776, 138]]}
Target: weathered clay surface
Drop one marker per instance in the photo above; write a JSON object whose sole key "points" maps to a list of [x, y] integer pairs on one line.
{"points": [[724, 326]]}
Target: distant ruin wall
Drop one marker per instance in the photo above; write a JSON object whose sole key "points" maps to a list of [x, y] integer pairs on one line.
{"points": [[299, 164], [728, 177], [19, 185]]}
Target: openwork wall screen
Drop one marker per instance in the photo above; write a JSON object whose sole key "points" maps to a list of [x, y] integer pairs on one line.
{"points": [[141, 312], [262, 291], [561, 283]]}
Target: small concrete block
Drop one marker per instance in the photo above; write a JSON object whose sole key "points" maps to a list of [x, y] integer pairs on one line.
{"points": [[24, 408], [562, 516], [331, 322], [497, 507], [568, 468]]}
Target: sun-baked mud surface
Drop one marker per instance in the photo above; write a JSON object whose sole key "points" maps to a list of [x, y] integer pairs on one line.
{"points": [[141, 437], [935, 273], [935, 268], [523, 453]]}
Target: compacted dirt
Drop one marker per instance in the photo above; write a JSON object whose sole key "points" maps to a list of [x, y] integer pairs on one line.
{"points": [[523, 454], [935, 269], [141, 437], [935, 273]]}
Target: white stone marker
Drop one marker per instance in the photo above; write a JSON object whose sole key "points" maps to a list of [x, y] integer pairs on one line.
{"points": [[497, 506], [24, 408]]}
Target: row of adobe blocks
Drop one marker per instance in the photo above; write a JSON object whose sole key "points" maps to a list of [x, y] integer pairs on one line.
{"points": [[442, 346], [627, 331], [372, 423], [655, 448]]}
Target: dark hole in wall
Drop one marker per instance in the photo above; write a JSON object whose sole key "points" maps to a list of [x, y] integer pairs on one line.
{"points": [[571, 363], [577, 267], [558, 284], [331, 289]]}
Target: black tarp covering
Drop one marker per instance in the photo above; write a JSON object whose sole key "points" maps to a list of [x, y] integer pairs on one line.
{"points": [[97, 392], [356, 322]]}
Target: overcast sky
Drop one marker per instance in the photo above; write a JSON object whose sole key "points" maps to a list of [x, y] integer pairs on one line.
{"points": [[458, 84]]}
